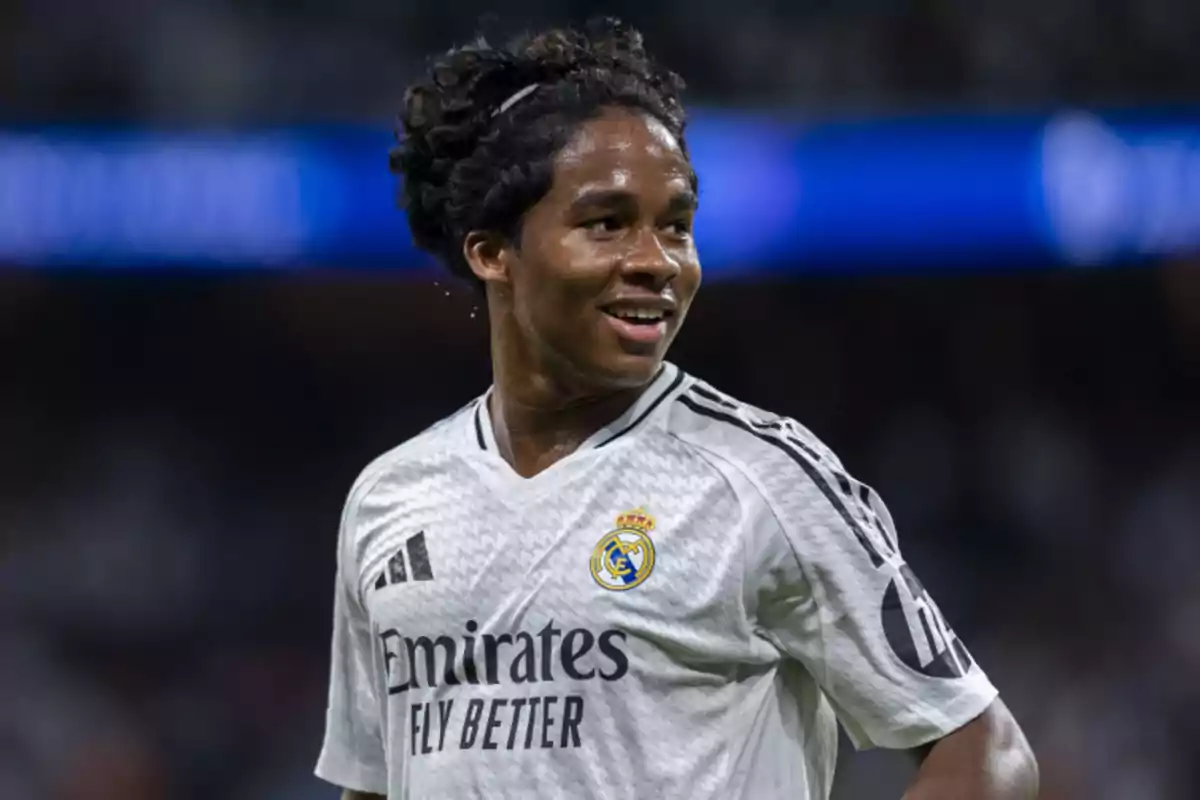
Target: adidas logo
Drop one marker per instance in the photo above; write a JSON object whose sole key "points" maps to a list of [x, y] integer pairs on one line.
{"points": [[418, 567]]}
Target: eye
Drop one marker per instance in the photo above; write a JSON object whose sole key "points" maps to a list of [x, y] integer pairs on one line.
{"points": [[609, 224], [681, 228]]}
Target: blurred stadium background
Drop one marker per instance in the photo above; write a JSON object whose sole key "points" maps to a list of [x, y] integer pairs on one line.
{"points": [[955, 239]]}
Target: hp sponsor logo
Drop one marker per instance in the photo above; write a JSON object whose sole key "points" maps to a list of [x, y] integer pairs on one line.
{"points": [[917, 631]]}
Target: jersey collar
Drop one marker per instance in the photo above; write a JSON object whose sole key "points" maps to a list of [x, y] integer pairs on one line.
{"points": [[665, 383]]}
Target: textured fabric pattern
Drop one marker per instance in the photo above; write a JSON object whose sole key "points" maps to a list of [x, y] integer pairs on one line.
{"points": [[679, 609]]}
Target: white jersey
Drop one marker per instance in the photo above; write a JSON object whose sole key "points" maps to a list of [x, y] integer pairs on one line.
{"points": [[682, 608]]}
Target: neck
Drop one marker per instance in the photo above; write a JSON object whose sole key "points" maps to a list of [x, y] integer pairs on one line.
{"points": [[541, 414]]}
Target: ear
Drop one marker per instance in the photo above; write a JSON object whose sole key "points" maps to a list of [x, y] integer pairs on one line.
{"points": [[489, 256]]}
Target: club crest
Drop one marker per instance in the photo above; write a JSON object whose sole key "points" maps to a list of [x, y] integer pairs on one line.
{"points": [[624, 558]]}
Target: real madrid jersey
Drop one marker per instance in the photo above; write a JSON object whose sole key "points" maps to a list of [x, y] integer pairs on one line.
{"points": [[684, 607]]}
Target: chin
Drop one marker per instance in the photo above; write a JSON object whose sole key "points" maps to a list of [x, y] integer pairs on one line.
{"points": [[628, 370], [607, 365]]}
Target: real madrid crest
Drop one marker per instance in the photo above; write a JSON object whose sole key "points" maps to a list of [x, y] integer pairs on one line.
{"points": [[624, 558]]}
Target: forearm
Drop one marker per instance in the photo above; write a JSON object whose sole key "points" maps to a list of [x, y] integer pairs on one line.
{"points": [[989, 759]]}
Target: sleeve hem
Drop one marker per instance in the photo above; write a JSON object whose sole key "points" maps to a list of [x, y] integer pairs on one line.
{"points": [[349, 773], [949, 718]]}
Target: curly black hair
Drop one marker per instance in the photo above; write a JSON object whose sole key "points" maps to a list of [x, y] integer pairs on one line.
{"points": [[465, 165]]}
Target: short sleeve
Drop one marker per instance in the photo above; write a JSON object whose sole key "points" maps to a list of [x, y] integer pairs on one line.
{"points": [[352, 755], [836, 594]]}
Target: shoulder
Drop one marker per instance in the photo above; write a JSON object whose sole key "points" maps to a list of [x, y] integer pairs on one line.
{"points": [[395, 481], [415, 458], [752, 438], [801, 481], [792, 470], [800, 478]]}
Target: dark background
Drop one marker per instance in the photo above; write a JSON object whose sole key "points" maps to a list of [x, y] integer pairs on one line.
{"points": [[175, 447]]}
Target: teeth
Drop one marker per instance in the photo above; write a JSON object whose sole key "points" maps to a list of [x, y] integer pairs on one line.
{"points": [[638, 313]]}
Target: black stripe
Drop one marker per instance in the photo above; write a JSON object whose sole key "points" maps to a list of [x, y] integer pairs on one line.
{"points": [[418, 558], [863, 502], [777, 425], [887, 537], [843, 480], [708, 394], [782, 427], [674, 385], [395, 568], [809, 468], [479, 426], [864, 492]]}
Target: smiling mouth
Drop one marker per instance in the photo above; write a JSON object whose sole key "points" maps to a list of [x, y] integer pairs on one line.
{"points": [[639, 316], [641, 330]]}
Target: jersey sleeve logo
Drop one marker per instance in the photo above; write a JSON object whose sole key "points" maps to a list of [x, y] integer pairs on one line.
{"points": [[418, 562], [917, 631], [624, 558]]}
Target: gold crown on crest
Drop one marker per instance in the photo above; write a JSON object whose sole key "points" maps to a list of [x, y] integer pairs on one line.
{"points": [[637, 520]]}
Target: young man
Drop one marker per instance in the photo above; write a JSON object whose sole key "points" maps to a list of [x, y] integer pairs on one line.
{"points": [[604, 578]]}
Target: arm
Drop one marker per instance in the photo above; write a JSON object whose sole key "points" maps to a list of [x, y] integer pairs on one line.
{"points": [[352, 754], [350, 794], [986, 759]]}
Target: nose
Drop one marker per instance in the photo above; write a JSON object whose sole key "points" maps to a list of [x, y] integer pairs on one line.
{"points": [[649, 262]]}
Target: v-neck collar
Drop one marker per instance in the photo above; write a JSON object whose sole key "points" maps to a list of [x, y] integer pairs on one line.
{"points": [[668, 379]]}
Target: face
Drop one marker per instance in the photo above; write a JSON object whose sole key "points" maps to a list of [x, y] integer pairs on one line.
{"points": [[606, 267]]}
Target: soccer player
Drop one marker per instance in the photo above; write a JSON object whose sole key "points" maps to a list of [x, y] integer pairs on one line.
{"points": [[604, 578]]}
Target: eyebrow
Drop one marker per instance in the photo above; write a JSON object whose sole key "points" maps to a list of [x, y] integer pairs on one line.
{"points": [[602, 198], [684, 201], [609, 198]]}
